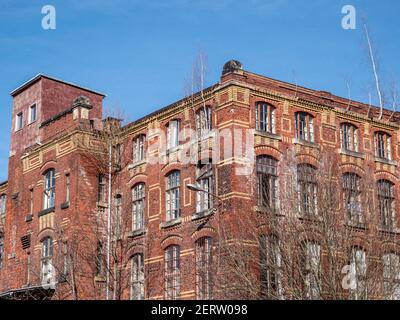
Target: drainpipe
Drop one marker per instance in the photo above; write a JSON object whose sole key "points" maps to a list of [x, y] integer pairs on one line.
{"points": [[109, 223]]}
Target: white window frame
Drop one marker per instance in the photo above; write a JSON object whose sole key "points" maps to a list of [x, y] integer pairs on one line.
{"points": [[47, 272], [173, 134], [19, 121], [32, 112], [137, 277], [49, 189], [138, 206], [173, 206], [139, 148]]}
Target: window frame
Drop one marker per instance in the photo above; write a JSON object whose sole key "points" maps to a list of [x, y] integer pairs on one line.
{"points": [[19, 121], [349, 137], [307, 190], [47, 271], [3, 204], [173, 134], [267, 174], [172, 195], [49, 192], [387, 203], [383, 145], [32, 111], [172, 272], [265, 117], [203, 120], [304, 125], [139, 148], [270, 267], [137, 277], [138, 206], [204, 260], [351, 186]]}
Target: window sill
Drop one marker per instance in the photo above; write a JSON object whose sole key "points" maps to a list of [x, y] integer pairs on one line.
{"points": [[171, 223], [305, 143], [266, 210], [29, 218], [386, 161], [99, 279], [64, 205], [270, 135], [356, 225], [137, 233], [389, 230], [173, 149], [46, 211], [352, 153], [101, 204], [203, 214], [136, 164]]}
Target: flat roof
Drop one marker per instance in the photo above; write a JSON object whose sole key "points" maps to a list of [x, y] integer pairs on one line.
{"points": [[40, 76]]}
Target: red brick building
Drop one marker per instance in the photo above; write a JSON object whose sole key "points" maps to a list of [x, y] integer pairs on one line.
{"points": [[55, 205]]}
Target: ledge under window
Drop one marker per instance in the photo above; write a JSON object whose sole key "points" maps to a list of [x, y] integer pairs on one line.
{"points": [[46, 211], [203, 214], [352, 153], [64, 205], [137, 233], [386, 161], [171, 223], [305, 143], [136, 164], [267, 134]]}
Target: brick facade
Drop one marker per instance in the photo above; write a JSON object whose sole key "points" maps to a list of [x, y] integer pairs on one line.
{"points": [[66, 132]]}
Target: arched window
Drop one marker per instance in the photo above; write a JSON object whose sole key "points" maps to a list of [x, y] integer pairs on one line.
{"points": [[312, 270], [173, 206], [204, 200], [386, 200], [203, 120], [267, 183], [1, 249], [352, 197], [307, 189], [137, 277], [349, 137], [173, 134], [204, 268], [358, 268], [304, 126], [49, 189], [138, 202], [47, 265], [172, 272], [383, 145], [265, 117], [391, 276], [3, 203], [270, 267], [139, 150]]}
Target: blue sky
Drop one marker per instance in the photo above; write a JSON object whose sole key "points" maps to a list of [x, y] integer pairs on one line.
{"points": [[140, 52]]}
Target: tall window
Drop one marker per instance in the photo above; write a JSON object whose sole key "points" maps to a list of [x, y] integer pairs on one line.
{"points": [[173, 134], [32, 113], [204, 268], [307, 189], [203, 120], [138, 201], [270, 267], [102, 189], [137, 277], [382, 145], [139, 148], [391, 276], [118, 215], [265, 117], [312, 270], [267, 183], [67, 187], [349, 137], [352, 197], [1, 250], [386, 203], [47, 266], [49, 189], [205, 181], [118, 156], [173, 196], [19, 121], [358, 268], [3, 203], [172, 272], [99, 259], [31, 201], [304, 126]]}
